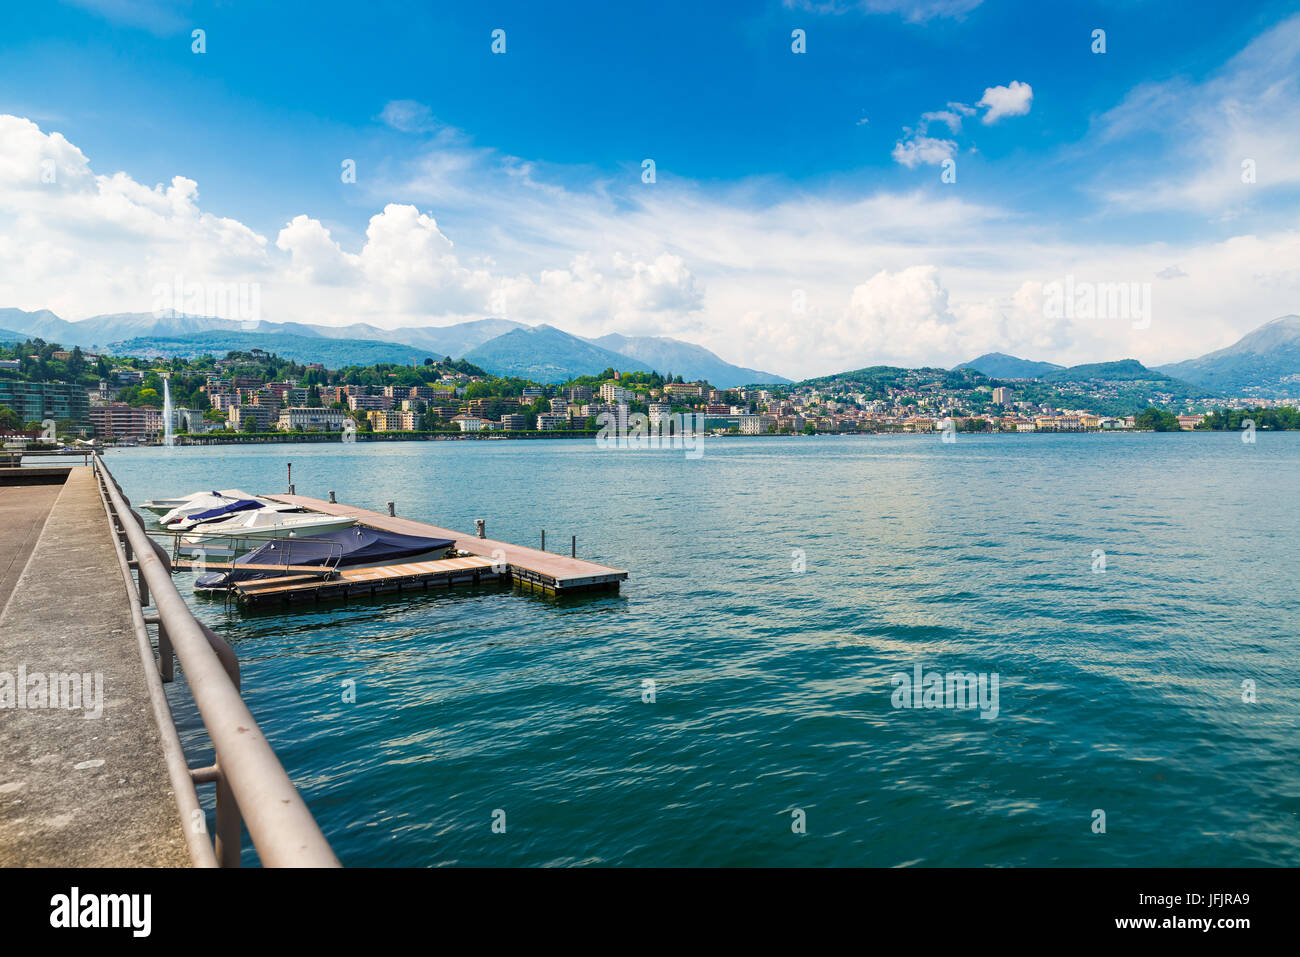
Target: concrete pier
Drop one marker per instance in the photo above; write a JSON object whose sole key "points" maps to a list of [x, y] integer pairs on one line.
{"points": [[76, 790]]}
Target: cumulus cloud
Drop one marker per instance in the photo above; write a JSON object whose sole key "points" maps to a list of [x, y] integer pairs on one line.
{"points": [[1013, 100], [314, 256], [122, 238], [917, 149], [901, 314]]}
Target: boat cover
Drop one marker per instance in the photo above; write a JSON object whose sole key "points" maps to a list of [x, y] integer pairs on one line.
{"points": [[240, 505], [359, 545]]}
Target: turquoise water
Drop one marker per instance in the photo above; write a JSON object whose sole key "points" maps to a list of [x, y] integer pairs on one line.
{"points": [[1119, 690]]}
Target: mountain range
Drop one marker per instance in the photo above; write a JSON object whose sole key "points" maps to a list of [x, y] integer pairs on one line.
{"points": [[1264, 363], [501, 346]]}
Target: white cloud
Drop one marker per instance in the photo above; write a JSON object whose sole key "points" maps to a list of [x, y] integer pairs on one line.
{"points": [[916, 149], [950, 117], [314, 257], [903, 314], [1013, 100]]}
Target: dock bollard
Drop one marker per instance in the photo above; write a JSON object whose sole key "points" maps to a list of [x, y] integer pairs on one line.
{"points": [[392, 508], [480, 526], [291, 492], [332, 501]]}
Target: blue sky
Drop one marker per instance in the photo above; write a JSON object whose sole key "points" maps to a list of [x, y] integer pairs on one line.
{"points": [[512, 183]]}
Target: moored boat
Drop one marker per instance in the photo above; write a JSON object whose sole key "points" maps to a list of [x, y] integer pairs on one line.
{"points": [[356, 547], [219, 513], [246, 530], [172, 509]]}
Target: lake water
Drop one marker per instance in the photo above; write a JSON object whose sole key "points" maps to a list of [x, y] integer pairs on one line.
{"points": [[1119, 690]]}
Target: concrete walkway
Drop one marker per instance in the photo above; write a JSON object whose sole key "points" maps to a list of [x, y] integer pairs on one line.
{"points": [[23, 509], [79, 791]]}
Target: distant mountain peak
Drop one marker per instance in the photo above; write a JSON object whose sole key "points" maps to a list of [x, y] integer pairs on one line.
{"points": [[690, 361], [999, 365], [1264, 362]]}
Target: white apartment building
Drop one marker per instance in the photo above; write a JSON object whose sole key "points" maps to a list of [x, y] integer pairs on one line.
{"points": [[615, 394], [550, 421], [370, 403], [471, 423], [303, 419]]}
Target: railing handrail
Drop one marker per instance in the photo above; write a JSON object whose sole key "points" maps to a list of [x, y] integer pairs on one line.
{"points": [[31, 455], [281, 826]]}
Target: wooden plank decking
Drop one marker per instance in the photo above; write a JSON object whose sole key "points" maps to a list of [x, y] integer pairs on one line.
{"points": [[352, 582], [530, 566]]}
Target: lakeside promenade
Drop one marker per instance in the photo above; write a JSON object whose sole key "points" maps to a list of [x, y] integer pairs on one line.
{"points": [[76, 789]]}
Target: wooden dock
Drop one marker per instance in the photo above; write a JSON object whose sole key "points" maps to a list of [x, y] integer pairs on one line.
{"points": [[364, 582], [530, 567]]}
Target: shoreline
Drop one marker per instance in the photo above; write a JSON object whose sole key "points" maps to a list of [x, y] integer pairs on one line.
{"points": [[336, 438]]}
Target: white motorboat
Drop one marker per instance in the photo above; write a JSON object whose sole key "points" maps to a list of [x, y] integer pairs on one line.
{"points": [[172, 509], [237, 508], [160, 506], [247, 530]]}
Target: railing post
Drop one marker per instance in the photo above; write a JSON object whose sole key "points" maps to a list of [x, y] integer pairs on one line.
{"points": [[543, 539], [229, 823], [166, 655], [392, 508]]}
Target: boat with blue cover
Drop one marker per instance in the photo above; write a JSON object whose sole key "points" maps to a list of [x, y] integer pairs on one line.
{"points": [[357, 547]]}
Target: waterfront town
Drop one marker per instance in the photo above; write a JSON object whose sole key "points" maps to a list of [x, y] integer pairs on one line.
{"points": [[256, 395]]}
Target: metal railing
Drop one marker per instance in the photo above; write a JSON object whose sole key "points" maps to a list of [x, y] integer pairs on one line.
{"points": [[44, 458], [252, 786]]}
